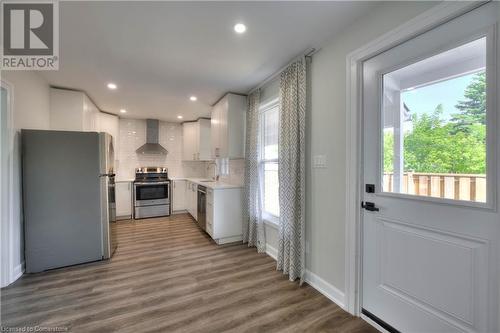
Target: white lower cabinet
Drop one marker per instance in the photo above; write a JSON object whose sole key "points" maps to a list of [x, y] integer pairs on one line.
{"points": [[179, 202], [123, 198], [225, 214]]}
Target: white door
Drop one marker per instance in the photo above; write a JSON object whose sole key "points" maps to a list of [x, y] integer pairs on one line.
{"points": [[431, 221], [204, 140], [187, 141], [179, 195], [123, 200], [215, 130], [5, 186]]}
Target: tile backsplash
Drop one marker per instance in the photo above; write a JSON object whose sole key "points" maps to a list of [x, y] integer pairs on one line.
{"points": [[133, 135], [236, 172]]}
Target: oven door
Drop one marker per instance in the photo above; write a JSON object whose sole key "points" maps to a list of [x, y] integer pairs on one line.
{"points": [[149, 194]]}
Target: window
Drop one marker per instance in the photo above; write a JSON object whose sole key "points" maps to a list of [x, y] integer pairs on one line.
{"points": [[269, 159], [434, 127]]}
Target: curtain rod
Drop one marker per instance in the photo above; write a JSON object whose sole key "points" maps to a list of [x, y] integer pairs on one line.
{"points": [[308, 53]]}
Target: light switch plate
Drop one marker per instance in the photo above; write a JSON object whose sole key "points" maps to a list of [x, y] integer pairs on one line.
{"points": [[319, 161]]}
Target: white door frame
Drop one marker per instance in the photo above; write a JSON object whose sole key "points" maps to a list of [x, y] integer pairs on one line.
{"points": [[6, 217], [354, 141]]}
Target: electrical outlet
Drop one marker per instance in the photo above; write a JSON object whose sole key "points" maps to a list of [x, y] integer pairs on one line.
{"points": [[319, 161]]}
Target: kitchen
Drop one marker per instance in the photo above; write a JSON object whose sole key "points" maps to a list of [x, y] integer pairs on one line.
{"points": [[154, 169], [195, 157]]}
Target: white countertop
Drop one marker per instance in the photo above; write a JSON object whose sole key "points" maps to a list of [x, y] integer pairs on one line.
{"points": [[211, 184]]}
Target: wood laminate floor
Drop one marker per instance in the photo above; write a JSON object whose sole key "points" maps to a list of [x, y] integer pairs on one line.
{"points": [[168, 276]]}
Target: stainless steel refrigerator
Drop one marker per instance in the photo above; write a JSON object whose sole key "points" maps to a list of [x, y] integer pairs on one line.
{"points": [[68, 198]]}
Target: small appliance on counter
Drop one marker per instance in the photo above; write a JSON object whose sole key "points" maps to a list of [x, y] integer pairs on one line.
{"points": [[151, 192], [69, 198]]}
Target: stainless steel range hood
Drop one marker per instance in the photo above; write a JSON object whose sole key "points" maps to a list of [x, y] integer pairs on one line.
{"points": [[152, 146]]}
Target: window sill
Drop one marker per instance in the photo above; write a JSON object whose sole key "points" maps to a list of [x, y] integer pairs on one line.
{"points": [[271, 221]]}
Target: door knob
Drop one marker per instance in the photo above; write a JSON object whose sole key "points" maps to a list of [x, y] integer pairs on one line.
{"points": [[369, 206]]}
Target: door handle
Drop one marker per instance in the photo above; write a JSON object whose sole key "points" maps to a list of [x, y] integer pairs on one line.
{"points": [[369, 206]]}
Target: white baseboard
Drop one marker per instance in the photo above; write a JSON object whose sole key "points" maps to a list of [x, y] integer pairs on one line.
{"points": [[330, 291], [227, 240], [272, 251], [17, 273]]}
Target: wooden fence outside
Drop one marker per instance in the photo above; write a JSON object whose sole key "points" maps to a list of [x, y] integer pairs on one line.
{"points": [[441, 185]]}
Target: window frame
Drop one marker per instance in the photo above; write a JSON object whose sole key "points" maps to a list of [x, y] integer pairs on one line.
{"points": [[266, 107], [491, 125]]}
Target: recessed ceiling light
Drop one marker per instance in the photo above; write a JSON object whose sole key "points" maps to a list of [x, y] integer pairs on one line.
{"points": [[112, 86], [123, 111], [193, 98], [240, 28], [179, 117]]}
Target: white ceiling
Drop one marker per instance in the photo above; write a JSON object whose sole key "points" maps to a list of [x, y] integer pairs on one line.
{"points": [[160, 53]]}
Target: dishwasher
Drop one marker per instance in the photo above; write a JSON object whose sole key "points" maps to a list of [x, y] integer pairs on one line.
{"points": [[202, 207]]}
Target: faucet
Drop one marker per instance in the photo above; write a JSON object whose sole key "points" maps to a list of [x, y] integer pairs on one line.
{"points": [[216, 175]]}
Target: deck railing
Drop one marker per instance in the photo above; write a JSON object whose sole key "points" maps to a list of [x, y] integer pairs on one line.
{"points": [[441, 185]]}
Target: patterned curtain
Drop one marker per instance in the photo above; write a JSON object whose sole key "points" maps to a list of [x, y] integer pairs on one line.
{"points": [[291, 249], [253, 228]]}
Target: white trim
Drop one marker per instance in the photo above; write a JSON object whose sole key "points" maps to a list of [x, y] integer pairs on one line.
{"points": [[271, 220], [271, 251], [433, 17], [269, 105], [17, 272], [327, 289], [6, 229]]}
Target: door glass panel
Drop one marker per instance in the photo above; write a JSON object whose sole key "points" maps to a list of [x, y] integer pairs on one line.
{"points": [[434, 126]]}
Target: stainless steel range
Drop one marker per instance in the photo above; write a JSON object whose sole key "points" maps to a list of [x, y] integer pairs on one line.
{"points": [[151, 192]]}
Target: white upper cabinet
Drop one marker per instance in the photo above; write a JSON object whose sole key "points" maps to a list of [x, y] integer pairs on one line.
{"points": [[72, 111], [228, 127], [188, 141], [196, 140]]}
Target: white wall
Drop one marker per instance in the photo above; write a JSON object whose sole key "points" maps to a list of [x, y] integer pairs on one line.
{"points": [[31, 111], [325, 135]]}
